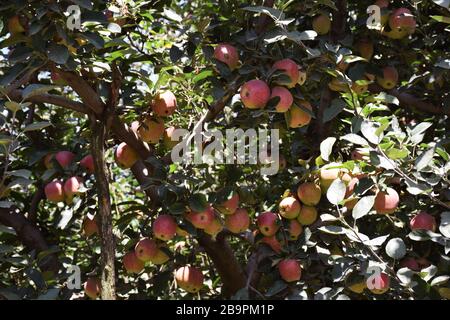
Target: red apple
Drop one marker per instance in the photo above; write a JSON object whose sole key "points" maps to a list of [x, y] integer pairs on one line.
{"points": [[64, 158], [164, 104], [238, 222], [267, 223], [380, 284], [189, 279], [92, 288], [423, 221], [255, 94], [131, 263], [125, 156], [229, 206], [290, 270], [290, 68], [307, 215], [164, 227], [54, 191], [88, 163], [386, 202], [289, 208], [90, 226], [227, 54], [286, 99], [201, 220], [146, 249], [295, 230], [273, 243], [309, 193], [151, 130]]}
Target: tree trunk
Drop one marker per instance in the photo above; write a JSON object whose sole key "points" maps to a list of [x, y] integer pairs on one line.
{"points": [[108, 283]]}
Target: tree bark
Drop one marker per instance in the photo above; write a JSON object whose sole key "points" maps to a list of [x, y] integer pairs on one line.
{"points": [[108, 282]]}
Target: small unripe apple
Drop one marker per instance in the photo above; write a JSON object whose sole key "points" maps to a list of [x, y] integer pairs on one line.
{"points": [[365, 48], [379, 284], [289, 208], [423, 221], [286, 99], [255, 94], [48, 161], [201, 220], [214, 228], [386, 202], [189, 279], [321, 24], [131, 263], [64, 158], [290, 270], [151, 130], [309, 193], [298, 117], [273, 243], [227, 54], [92, 288], [229, 206], [238, 222], [125, 156], [267, 223], [389, 79], [395, 34], [164, 104], [290, 69], [295, 229], [146, 249], [307, 215], [90, 226], [88, 163], [164, 227], [15, 25], [301, 77], [160, 258], [54, 191]]}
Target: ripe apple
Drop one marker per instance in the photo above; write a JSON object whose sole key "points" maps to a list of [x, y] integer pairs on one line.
{"points": [[164, 104], [214, 228], [379, 284], [164, 227], [201, 220], [125, 156], [54, 191], [57, 79], [227, 54], [255, 94], [386, 202], [229, 206], [290, 69], [189, 279], [64, 158], [273, 243], [307, 215], [309, 193], [352, 199], [88, 163], [167, 137], [267, 223], [290, 270], [160, 258], [131, 263], [289, 208], [146, 249], [90, 226], [365, 48], [301, 77], [286, 99], [359, 88], [423, 221], [295, 229], [151, 130], [71, 186], [238, 222], [328, 173], [389, 79], [321, 24], [410, 263], [402, 19], [297, 116], [92, 288], [395, 34], [15, 26]]}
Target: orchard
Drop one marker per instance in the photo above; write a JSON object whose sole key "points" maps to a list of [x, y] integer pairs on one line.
{"points": [[94, 95]]}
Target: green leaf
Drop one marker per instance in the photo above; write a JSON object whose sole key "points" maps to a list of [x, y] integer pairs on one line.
{"points": [[326, 147], [58, 53], [337, 105], [395, 153], [444, 227], [87, 4], [177, 208], [363, 207], [369, 130], [333, 230], [114, 28], [37, 126], [444, 63], [384, 97], [336, 192], [424, 159], [198, 202], [13, 106], [355, 139], [441, 19], [443, 3], [277, 287], [172, 15], [36, 89]]}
